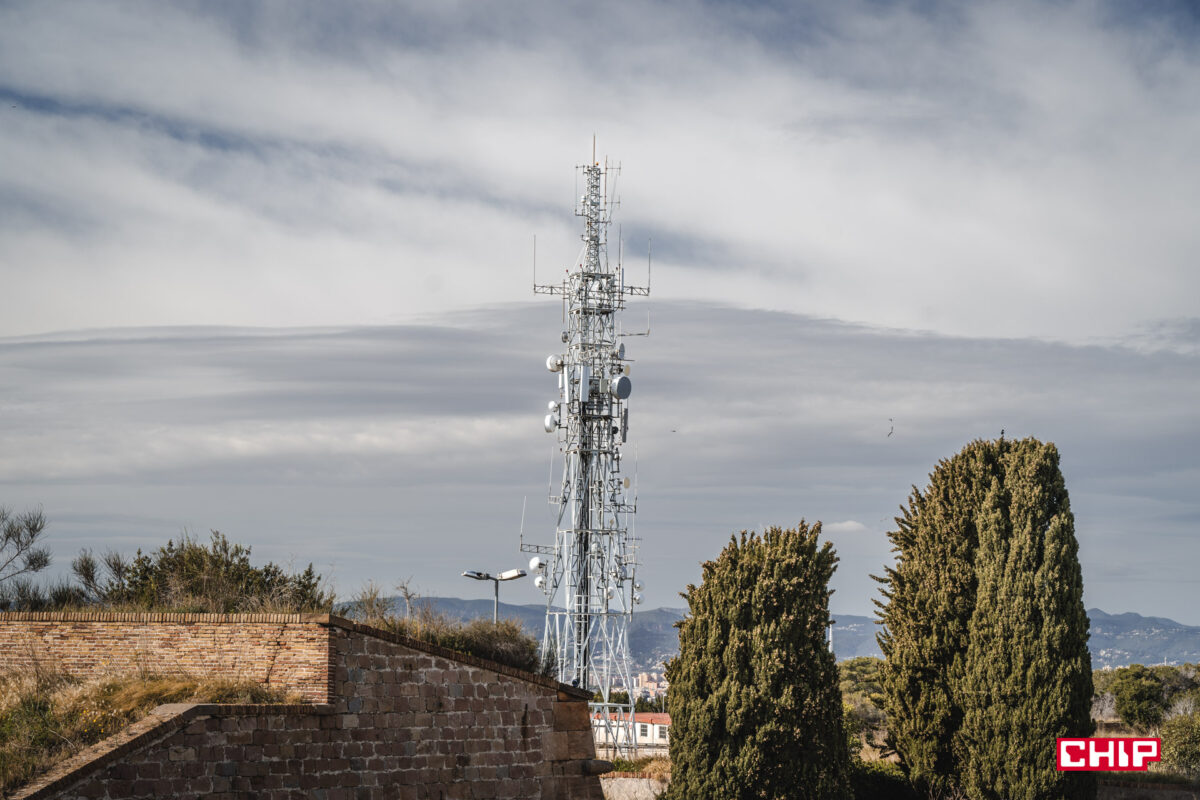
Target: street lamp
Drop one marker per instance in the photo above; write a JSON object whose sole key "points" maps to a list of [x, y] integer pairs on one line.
{"points": [[509, 575]]}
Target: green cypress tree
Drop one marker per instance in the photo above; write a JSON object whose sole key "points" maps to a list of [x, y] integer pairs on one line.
{"points": [[985, 635], [929, 597], [1028, 677], [754, 701]]}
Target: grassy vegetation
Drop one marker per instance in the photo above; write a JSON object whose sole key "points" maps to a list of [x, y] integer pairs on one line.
{"points": [[653, 766], [46, 717], [862, 704], [504, 642]]}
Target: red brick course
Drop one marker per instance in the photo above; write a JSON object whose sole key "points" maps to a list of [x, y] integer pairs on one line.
{"points": [[398, 718], [287, 651]]}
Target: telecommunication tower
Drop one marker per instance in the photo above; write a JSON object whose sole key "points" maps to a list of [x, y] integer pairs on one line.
{"points": [[589, 576]]}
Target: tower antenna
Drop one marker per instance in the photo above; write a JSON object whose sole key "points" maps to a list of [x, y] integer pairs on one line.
{"points": [[589, 575]]}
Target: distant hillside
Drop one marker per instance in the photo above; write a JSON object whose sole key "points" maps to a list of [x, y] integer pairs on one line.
{"points": [[1116, 639], [854, 636], [531, 617], [653, 638], [1121, 639]]}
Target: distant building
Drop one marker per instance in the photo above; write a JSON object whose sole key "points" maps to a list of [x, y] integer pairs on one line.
{"points": [[651, 730], [650, 685]]}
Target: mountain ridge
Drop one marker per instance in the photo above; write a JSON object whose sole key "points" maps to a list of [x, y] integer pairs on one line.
{"points": [[1115, 639]]}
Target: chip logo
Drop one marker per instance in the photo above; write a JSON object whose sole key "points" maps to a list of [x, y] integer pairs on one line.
{"points": [[1102, 755]]}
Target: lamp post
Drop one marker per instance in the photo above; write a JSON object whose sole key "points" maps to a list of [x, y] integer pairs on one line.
{"points": [[509, 575]]}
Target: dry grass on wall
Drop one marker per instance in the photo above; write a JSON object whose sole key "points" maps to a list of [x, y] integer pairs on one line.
{"points": [[504, 642], [48, 716]]}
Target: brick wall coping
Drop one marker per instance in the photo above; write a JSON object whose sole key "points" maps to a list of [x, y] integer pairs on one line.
{"points": [[330, 620], [160, 722]]}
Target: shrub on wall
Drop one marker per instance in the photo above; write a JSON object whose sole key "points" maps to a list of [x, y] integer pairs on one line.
{"points": [[189, 576]]}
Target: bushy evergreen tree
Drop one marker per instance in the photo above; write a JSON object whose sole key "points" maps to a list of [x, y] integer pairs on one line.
{"points": [[754, 701], [1028, 671], [1139, 697], [985, 634], [930, 595]]}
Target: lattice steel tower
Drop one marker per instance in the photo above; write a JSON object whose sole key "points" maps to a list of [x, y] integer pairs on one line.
{"points": [[590, 574]]}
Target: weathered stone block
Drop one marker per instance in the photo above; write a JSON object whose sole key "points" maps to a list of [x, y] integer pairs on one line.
{"points": [[581, 744], [181, 754], [555, 746], [572, 716]]}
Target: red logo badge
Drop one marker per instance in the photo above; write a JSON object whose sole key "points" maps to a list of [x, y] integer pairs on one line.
{"points": [[1102, 755]]}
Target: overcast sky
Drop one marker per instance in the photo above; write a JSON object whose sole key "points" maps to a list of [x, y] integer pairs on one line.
{"points": [[267, 270]]}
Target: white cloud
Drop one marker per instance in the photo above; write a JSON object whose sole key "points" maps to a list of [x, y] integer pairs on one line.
{"points": [[845, 526], [992, 170], [997, 170], [386, 451], [83, 450]]}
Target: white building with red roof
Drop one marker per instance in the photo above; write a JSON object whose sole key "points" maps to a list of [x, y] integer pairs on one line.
{"points": [[651, 730]]}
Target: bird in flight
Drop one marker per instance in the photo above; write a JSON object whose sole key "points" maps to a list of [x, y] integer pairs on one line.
{"points": [[893, 430]]}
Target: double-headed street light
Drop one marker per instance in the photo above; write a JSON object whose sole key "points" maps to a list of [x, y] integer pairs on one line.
{"points": [[509, 575]]}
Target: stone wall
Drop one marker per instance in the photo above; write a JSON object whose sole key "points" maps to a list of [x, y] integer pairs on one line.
{"points": [[404, 720]]}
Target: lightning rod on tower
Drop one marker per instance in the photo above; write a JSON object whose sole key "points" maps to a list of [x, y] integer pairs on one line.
{"points": [[589, 575]]}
